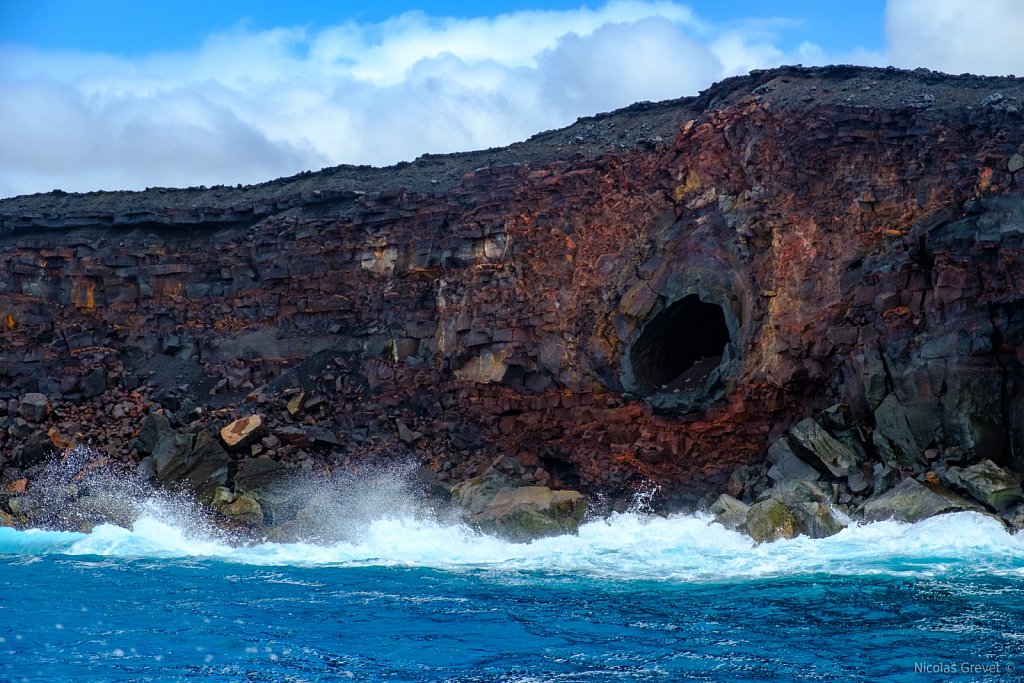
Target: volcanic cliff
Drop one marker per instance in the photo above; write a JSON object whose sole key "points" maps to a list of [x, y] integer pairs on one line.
{"points": [[651, 295]]}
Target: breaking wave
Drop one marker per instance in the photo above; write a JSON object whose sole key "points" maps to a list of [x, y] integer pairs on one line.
{"points": [[376, 517], [625, 546]]}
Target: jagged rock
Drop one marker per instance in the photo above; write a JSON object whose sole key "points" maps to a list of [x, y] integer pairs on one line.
{"points": [[7, 520], [321, 436], [170, 457], [94, 383], [742, 482], [295, 436], [1014, 516], [530, 512], [208, 466], [884, 478], [729, 512], [242, 431], [912, 501], [295, 403], [519, 514], [792, 509], [244, 509], [197, 462], [474, 495], [903, 430], [858, 482], [989, 483], [787, 465], [408, 436], [813, 438], [34, 407], [89, 511], [267, 482], [155, 429], [254, 473]]}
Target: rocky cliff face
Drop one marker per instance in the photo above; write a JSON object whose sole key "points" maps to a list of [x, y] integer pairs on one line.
{"points": [[655, 294]]}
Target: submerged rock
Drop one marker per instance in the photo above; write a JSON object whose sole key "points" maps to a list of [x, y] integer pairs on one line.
{"points": [[989, 483], [912, 501]]}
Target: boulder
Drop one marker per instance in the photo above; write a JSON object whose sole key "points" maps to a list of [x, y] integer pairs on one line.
{"points": [[196, 462], [903, 430], [94, 383], [1014, 517], [207, 467], [729, 512], [36, 449], [523, 514], [242, 431], [989, 483], [320, 436], [155, 429], [34, 407], [792, 509], [265, 480], [170, 457], [530, 512], [787, 465], [474, 495], [91, 510], [912, 501], [244, 510], [407, 435], [838, 458], [294, 435], [745, 482], [295, 403]]}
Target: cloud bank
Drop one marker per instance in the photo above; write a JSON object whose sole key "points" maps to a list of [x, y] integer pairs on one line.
{"points": [[251, 106], [957, 36]]}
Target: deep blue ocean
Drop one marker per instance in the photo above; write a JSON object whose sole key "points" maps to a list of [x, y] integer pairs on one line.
{"points": [[633, 597]]}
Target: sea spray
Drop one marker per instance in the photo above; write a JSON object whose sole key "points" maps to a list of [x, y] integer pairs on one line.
{"points": [[623, 546], [373, 516]]}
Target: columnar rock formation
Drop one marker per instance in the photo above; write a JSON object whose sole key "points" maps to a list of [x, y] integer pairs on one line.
{"points": [[655, 294]]}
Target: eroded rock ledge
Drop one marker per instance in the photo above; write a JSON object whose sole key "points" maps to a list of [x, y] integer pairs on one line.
{"points": [[652, 295]]}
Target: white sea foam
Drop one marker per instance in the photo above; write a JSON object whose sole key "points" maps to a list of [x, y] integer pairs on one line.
{"points": [[375, 518], [622, 546]]}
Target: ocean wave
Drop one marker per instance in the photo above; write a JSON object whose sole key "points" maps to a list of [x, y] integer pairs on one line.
{"points": [[627, 546]]}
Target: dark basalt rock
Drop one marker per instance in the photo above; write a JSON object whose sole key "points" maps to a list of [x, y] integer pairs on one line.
{"points": [[988, 483], [912, 501], [656, 300]]}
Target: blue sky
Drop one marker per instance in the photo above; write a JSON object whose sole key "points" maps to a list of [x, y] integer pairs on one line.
{"points": [[140, 27], [124, 95]]}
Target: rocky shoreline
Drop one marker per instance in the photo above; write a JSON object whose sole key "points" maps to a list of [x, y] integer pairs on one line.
{"points": [[821, 478], [671, 295]]}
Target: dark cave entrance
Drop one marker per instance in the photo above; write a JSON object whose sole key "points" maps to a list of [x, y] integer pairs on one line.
{"points": [[679, 348]]}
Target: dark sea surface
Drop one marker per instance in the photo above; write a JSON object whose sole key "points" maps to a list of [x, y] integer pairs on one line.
{"points": [[634, 597]]}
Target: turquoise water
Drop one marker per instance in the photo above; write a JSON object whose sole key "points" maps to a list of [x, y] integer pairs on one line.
{"points": [[632, 598]]}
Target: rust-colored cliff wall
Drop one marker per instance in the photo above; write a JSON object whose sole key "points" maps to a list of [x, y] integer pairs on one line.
{"points": [[652, 294]]}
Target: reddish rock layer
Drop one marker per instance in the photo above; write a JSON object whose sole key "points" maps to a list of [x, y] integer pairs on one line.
{"points": [[852, 235]]}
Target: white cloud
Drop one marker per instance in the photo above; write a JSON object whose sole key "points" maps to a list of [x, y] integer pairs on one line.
{"points": [[957, 36], [250, 106]]}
